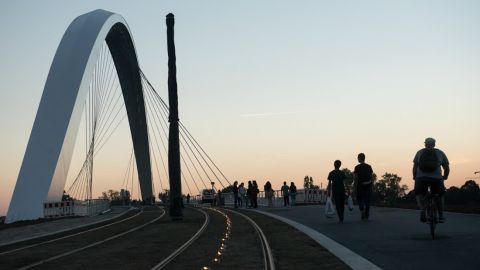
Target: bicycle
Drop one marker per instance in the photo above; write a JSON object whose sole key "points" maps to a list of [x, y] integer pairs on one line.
{"points": [[431, 211]]}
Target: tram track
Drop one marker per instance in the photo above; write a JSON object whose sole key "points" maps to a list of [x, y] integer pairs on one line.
{"points": [[38, 241], [64, 232], [268, 258], [213, 243], [194, 247], [182, 248], [40, 253]]}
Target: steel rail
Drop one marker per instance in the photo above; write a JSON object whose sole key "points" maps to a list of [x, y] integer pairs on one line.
{"points": [[178, 251], [64, 230], [91, 245], [268, 259], [70, 235]]}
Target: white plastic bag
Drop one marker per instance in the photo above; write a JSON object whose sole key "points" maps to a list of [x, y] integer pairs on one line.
{"points": [[329, 210], [350, 203]]}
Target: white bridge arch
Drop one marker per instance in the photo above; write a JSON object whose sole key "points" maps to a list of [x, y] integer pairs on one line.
{"points": [[49, 151]]}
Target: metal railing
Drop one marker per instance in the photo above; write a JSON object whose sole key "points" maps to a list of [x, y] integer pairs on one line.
{"points": [[303, 196], [75, 208]]}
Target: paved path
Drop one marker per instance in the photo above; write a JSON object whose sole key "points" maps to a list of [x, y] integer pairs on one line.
{"points": [[395, 239], [16, 234]]}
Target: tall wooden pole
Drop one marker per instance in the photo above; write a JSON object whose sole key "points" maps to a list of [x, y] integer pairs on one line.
{"points": [[173, 137]]}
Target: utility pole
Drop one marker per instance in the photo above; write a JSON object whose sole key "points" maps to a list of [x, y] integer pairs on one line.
{"points": [[173, 136]]}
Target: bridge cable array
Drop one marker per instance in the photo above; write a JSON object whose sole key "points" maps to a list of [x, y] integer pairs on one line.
{"points": [[194, 158], [103, 114]]}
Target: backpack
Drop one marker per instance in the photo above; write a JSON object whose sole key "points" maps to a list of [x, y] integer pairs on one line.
{"points": [[428, 161]]}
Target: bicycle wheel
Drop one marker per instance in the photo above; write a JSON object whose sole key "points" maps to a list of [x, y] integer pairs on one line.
{"points": [[432, 211]]}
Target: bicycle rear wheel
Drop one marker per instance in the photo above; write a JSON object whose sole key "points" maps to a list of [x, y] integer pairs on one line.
{"points": [[431, 215]]}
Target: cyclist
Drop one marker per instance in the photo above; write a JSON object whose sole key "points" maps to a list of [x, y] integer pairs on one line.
{"points": [[427, 172]]}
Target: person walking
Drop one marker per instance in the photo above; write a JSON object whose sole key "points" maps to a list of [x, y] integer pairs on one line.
{"points": [[255, 192], [293, 193], [427, 172], [268, 193], [336, 184], [248, 202], [285, 194], [363, 177], [242, 193], [235, 194]]}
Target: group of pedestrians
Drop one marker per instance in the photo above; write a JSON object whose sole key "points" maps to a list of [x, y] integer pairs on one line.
{"points": [[363, 185], [248, 197], [427, 174], [289, 192]]}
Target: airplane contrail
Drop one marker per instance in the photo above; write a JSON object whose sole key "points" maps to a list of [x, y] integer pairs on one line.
{"points": [[273, 113]]}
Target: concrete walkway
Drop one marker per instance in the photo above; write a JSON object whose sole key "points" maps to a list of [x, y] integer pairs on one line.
{"points": [[16, 234], [395, 239]]}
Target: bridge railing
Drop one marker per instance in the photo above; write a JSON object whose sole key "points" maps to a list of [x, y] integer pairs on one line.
{"points": [[75, 208], [304, 196]]}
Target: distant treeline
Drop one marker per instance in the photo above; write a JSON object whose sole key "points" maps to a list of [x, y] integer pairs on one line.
{"points": [[388, 191]]}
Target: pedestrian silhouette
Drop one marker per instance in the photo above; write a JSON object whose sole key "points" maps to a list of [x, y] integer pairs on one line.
{"points": [[293, 193], [285, 193], [363, 175], [336, 183]]}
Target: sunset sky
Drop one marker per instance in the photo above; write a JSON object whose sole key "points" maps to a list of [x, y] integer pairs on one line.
{"points": [[275, 90]]}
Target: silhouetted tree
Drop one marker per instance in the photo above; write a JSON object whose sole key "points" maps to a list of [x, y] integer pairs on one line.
{"points": [[410, 197], [388, 189], [454, 195], [468, 193], [471, 186], [112, 195], [472, 191]]}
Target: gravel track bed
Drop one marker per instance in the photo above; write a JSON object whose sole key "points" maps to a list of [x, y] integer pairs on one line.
{"points": [[70, 232], [148, 246], [141, 249], [242, 250], [31, 255]]}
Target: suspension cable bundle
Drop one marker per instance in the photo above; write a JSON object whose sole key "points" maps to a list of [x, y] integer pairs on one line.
{"points": [[105, 111]]}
